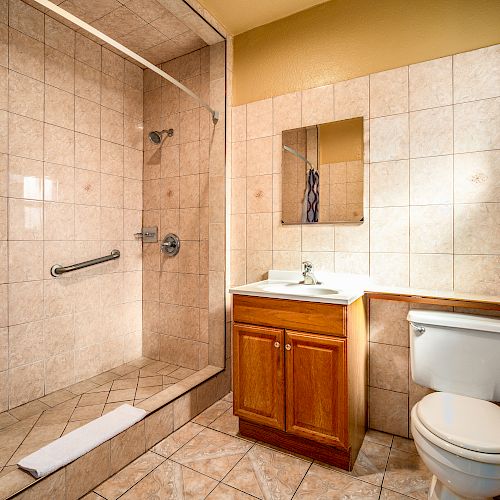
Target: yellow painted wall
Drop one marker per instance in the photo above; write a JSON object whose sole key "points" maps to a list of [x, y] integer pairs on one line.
{"points": [[343, 39], [341, 141]]}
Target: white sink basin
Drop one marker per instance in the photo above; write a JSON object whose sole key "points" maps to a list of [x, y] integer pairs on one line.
{"points": [[297, 289]]}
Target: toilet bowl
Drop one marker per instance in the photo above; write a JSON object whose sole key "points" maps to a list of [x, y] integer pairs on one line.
{"points": [[451, 434], [457, 429]]}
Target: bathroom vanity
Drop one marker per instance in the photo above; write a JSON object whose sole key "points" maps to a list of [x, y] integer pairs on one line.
{"points": [[300, 369]]}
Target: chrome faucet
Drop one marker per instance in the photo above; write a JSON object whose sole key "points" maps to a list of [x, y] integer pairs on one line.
{"points": [[309, 278]]}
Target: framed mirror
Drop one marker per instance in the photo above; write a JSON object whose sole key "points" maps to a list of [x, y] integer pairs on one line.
{"points": [[322, 173]]}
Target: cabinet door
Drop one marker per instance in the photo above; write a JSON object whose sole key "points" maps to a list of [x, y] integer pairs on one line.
{"points": [[259, 385], [316, 387]]}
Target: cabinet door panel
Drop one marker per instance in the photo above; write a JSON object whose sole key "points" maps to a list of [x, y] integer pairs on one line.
{"points": [[316, 387], [259, 394]]}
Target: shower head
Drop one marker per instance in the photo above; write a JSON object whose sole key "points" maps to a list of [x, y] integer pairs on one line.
{"points": [[155, 137]]}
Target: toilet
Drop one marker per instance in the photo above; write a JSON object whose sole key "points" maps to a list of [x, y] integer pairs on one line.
{"points": [[457, 429]]}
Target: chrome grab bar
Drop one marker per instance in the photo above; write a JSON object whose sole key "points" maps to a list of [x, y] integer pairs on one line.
{"points": [[57, 270]]}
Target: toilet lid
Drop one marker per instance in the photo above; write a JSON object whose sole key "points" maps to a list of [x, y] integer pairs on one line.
{"points": [[466, 422]]}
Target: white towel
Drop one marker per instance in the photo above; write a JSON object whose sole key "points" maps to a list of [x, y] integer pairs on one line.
{"points": [[64, 450]]}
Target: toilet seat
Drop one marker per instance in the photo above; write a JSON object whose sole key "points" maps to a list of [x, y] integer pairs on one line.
{"points": [[476, 456], [466, 422]]}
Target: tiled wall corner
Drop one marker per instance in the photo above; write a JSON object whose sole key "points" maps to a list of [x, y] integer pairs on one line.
{"points": [[184, 192]]}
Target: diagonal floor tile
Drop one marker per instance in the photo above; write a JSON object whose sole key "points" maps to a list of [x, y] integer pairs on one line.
{"points": [[392, 495], [172, 481], [378, 437], [210, 414], [177, 439], [407, 474], [225, 492], [267, 473], [129, 476], [323, 483], [370, 463], [227, 423], [212, 453]]}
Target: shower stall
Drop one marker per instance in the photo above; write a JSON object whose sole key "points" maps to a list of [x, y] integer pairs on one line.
{"points": [[112, 149]]}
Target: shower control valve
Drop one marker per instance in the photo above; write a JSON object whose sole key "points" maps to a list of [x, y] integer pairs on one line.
{"points": [[148, 234]]}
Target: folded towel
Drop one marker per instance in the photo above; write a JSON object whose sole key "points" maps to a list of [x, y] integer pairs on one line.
{"points": [[64, 450]]}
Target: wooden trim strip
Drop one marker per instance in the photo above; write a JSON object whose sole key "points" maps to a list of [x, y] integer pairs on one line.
{"points": [[437, 301]]}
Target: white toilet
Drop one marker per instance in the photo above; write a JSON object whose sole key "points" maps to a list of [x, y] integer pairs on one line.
{"points": [[457, 430]]}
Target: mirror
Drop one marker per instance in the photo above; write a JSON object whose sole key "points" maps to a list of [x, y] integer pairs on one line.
{"points": [[322, 173]]}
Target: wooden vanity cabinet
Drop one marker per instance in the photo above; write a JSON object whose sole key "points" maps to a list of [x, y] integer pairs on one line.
{"points": [[300, 380]]}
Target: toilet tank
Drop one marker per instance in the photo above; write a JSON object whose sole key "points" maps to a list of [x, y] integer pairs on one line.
{"points": [[457, 353]]}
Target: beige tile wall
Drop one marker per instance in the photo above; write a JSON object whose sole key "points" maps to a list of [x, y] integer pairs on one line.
{"points": [[184, 189], [70, 190], [432, 197]]}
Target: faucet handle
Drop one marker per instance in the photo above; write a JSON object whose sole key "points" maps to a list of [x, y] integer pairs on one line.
{"points": [[307, 266]]}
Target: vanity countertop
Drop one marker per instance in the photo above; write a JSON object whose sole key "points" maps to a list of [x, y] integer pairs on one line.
{"points": [[346, 288], [332, 289]]}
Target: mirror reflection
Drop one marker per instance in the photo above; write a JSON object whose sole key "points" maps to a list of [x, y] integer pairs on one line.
{"points": [[322, 173]]}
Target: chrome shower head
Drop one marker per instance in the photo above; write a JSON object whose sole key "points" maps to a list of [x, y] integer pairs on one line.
{"points": [[155, 137]]}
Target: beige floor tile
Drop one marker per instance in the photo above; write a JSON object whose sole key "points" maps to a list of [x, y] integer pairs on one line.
{"points": [[378, 437], [182, 373], [146, 392], [103, 378], [210, 414], [168, 369], [172, 480], [150, 381], [392, 495], [325, 483], [128, 383], [60, 413], [140, 362], [225, 492], [121, 395], [177, 439], [57, 397], [112, 406], [212, 453], [101, 388], [130, 375], [407, 474], [227, 423], [7, 419], [370, 463], [123, 369], [261, 473], [14, 481], [81, 387], [168, 380], [93, 398], [12, 437], [129, 476], [87, 412], [404, 444], [75, 425], [228, 397], [28, 409]]}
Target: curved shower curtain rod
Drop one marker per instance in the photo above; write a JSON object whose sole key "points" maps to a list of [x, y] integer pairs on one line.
{"points": [[99, 34]]}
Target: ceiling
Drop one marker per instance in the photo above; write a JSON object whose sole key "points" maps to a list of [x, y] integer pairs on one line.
{"points": [[158, 30], [243, 15]]}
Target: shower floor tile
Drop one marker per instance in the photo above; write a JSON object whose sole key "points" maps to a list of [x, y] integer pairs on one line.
{"points": [[29, 427]]}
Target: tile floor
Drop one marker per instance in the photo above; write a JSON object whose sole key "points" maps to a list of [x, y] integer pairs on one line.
{"points": [[29, 427], [206, 459]]}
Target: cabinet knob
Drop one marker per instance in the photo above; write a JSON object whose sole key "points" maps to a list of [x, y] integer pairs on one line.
{"points": [[288, 347], [277, 344]]}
